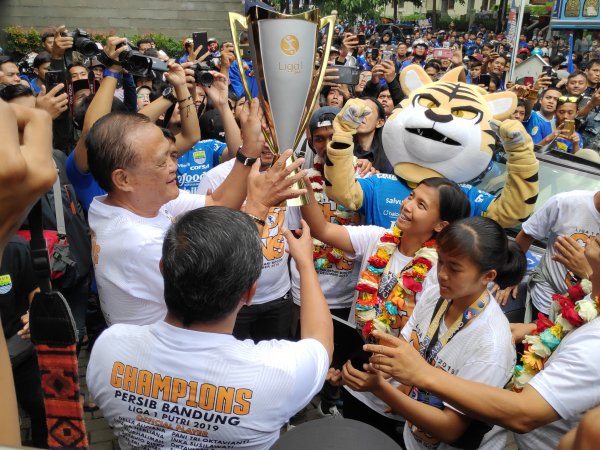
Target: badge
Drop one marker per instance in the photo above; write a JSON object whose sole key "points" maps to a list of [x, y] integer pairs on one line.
{"points": [[5, 284], [199, 156]]}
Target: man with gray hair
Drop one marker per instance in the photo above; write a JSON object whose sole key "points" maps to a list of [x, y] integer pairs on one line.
{"points": [[135, 162], [186, 382]]}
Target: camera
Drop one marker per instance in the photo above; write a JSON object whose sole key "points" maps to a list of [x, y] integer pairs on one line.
{"points": [[139, 64], [82, 42], [202, 74]]}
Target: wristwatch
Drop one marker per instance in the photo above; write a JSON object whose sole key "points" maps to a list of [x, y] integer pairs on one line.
{"points": [[168, 94], [243, 158]]}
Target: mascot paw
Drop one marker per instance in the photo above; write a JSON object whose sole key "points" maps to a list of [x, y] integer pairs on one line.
{"points": [[511, 133], [351, 116]]}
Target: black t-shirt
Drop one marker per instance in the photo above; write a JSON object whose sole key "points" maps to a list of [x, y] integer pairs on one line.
{"points": [[17, 280]]}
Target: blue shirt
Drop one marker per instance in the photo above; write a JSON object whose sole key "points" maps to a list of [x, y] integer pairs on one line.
{"points": [[235, 79], [34, 86], [193, 164], [567, 146], [85, 185], [383, 195], [538, 127]]}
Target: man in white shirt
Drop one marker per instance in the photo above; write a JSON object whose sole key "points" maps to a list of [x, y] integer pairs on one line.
{"points": [[186, 382], [135, 162]]}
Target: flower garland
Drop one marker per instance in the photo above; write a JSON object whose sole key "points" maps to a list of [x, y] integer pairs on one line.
{"points": [[573, 311], [325, 256], [376, 313]]}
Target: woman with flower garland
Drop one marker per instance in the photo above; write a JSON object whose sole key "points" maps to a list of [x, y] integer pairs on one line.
{"points": [[398, 268], [544, 407], [463, 332]]}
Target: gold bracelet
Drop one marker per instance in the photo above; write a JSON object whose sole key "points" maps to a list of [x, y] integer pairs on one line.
{"points": [[258, 220]]}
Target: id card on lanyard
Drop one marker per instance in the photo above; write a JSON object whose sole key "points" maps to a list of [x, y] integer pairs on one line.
{"points": [[432, 345]]}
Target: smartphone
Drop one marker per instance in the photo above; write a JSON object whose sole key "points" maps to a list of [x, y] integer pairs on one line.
{"points": [[375, 53], [200, 39], [347, 74], [54, 77], [568, 127], [386, 55], [547, 70], [442, 53], [528, 81], [484, 79], [362, 40]]}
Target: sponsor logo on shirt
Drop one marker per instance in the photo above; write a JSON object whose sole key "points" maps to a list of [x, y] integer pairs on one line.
{"points": [[534, 130], [5, 284]]}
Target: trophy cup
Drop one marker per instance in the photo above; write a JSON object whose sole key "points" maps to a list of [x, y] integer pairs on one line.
{"points": [[283, 49]]}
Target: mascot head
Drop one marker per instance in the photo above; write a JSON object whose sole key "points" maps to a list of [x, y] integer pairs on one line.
{"points": [[443, 127]]}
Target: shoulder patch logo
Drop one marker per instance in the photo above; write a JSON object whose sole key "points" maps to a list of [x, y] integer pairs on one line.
{"points": [[5, 284]]}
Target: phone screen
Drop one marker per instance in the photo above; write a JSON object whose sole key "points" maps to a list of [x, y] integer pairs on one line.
{"points": [[361, 39], [484, 79], [569, 127], [375, 53]]}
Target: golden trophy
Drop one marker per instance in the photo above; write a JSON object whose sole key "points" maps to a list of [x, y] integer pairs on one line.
{"points": [[283, 49]]}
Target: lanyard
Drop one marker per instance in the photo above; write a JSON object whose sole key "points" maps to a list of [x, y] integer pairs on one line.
{"points": [[433, 344], [389, 280]]}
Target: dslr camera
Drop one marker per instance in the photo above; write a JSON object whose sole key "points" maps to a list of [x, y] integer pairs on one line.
{"points": [[202, 74], [139, 64], [82, 42]]}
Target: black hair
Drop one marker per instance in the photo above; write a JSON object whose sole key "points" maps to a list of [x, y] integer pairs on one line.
{"points": [[576, 73], [557, 60], [592, 62], [454, 204], [476, 64], [6, 59], [521, 102], [433, 64], [84, 104], [550, 88], [110, 145], [205, 274], [495, 79], [485, 243], [11, 91], [41, 58], [45, 35], [145, 41]]}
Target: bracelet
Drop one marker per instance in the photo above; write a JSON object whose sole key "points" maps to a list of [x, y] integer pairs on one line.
{"points": [[256, 219], [184, 99], [110, 73]]}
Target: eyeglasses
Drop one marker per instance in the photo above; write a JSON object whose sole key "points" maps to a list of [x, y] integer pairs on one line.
{"points": [[566, 99]]}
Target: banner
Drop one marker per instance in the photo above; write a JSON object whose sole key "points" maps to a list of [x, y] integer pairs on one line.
{"points": [[511, 26]]}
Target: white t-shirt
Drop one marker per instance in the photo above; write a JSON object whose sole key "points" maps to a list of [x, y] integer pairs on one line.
{"points": [[568, 214], [274, 281], [126, 250], [364, 241], [165, 387], [482, 351], [337, 282], [570, 383]]}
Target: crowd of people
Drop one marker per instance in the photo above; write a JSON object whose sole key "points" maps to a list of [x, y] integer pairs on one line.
{"points": [[206, 303]]}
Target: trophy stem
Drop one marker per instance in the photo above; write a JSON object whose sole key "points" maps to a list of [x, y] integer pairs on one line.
{"points": [[303, 199]]}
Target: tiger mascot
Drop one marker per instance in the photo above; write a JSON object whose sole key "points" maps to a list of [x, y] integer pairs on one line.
{"points": [[444, 128]]}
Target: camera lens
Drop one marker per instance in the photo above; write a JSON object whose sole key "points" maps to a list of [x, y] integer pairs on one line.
{"points": [[205, 79], [86, 47]]}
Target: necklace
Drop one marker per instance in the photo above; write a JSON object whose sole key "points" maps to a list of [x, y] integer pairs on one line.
{"points": [[384, 299], [573, 310], [325, 256]]}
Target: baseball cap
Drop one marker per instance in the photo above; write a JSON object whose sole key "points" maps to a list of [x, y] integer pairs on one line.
{"points": [[211, 126], [477, 57], [95, 62], [322, 117]]}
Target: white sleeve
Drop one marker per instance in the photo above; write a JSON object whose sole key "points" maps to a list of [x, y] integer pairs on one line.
{"points": [[312, 363], [363, 237], [215, 177], [541, 222], [569, 382], [186, 201]]}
